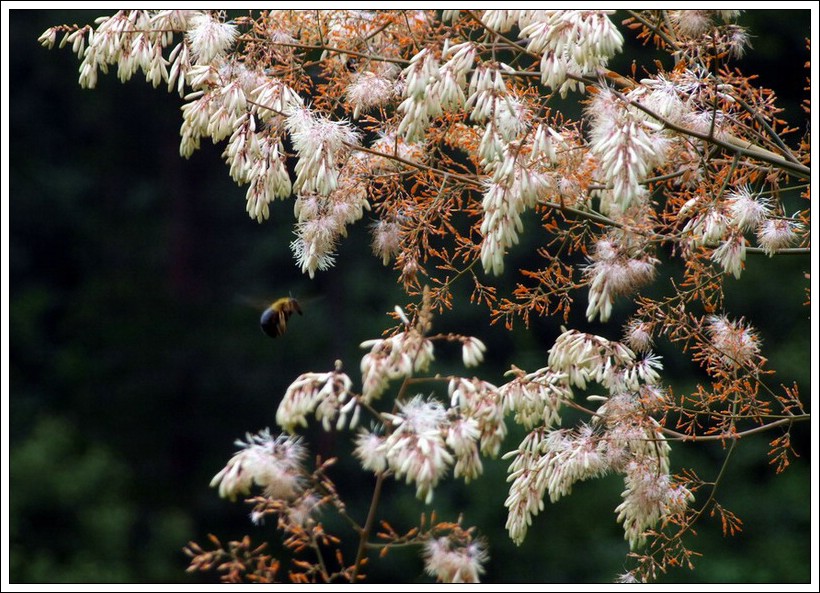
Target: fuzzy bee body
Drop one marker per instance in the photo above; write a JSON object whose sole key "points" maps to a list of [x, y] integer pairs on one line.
{"points": [[274, 320]]}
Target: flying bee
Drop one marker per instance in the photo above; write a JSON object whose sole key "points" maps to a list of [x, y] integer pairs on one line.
{"points": [[274, 320]]}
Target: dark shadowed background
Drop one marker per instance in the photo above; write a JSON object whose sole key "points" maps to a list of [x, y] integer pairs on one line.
{"points": [[135, 361]]}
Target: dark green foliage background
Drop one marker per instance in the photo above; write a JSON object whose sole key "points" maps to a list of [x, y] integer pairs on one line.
{"points": [[134, 364]]}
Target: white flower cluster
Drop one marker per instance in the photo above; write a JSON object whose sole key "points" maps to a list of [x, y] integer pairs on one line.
{"points": [[747, 211], [503, 20], [492, 102], [322, 221], [481, 402], [571, 43], [501, 224], [517, 178], [536, 398], [370, 89], [628, 145], [416, 447], [708, 226], [219, 105], [731, 254], [209, 38], [393, 358], [472, 351], [736, 345], [615, 271], [259, 160], [232, 101], [454, 561], [431, 89], [694, 27], [133, 40], [249, 108], [322, 145], [419, 105], [722, 224], [330, 195], [587, 357], [386, 239], [638, 335], [273, 101], [325, 393], [776, 233], [622, 437], [452, 76], [273, 463], [424, 440], [650, 496]]}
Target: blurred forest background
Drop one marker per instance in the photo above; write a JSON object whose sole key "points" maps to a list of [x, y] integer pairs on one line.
{"points": [[135, 362]]}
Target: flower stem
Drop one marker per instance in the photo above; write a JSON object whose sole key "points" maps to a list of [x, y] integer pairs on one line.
{"points": [[368, 525]]}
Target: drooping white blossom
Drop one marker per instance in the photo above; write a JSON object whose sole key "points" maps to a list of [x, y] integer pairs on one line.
{"points": [[269, 178], [393, 358], [735, 343], [325, 393], [482, 402], [454, 562], [649, 497], [526, 496], [209, 38], [472, 351], [452, 79], [368, 90], [614, 272], [776, 233], [536, 398], [628, 147], [322, 145], [134, 41], [587, 357], [745, 209], [386, 239], [180, 60], [622, 436], [665, 96], [273, 463], [416, 449], [638, 335], [370, 450], [510, 192], [707, 227], [422, 101], [322, 220], [500, 20], [274, 99], [571, 43], [731, 254], [462, 438]]}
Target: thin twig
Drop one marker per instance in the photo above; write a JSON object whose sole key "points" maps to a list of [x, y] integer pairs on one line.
{"points": [[739, 435], [783, 251]]}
